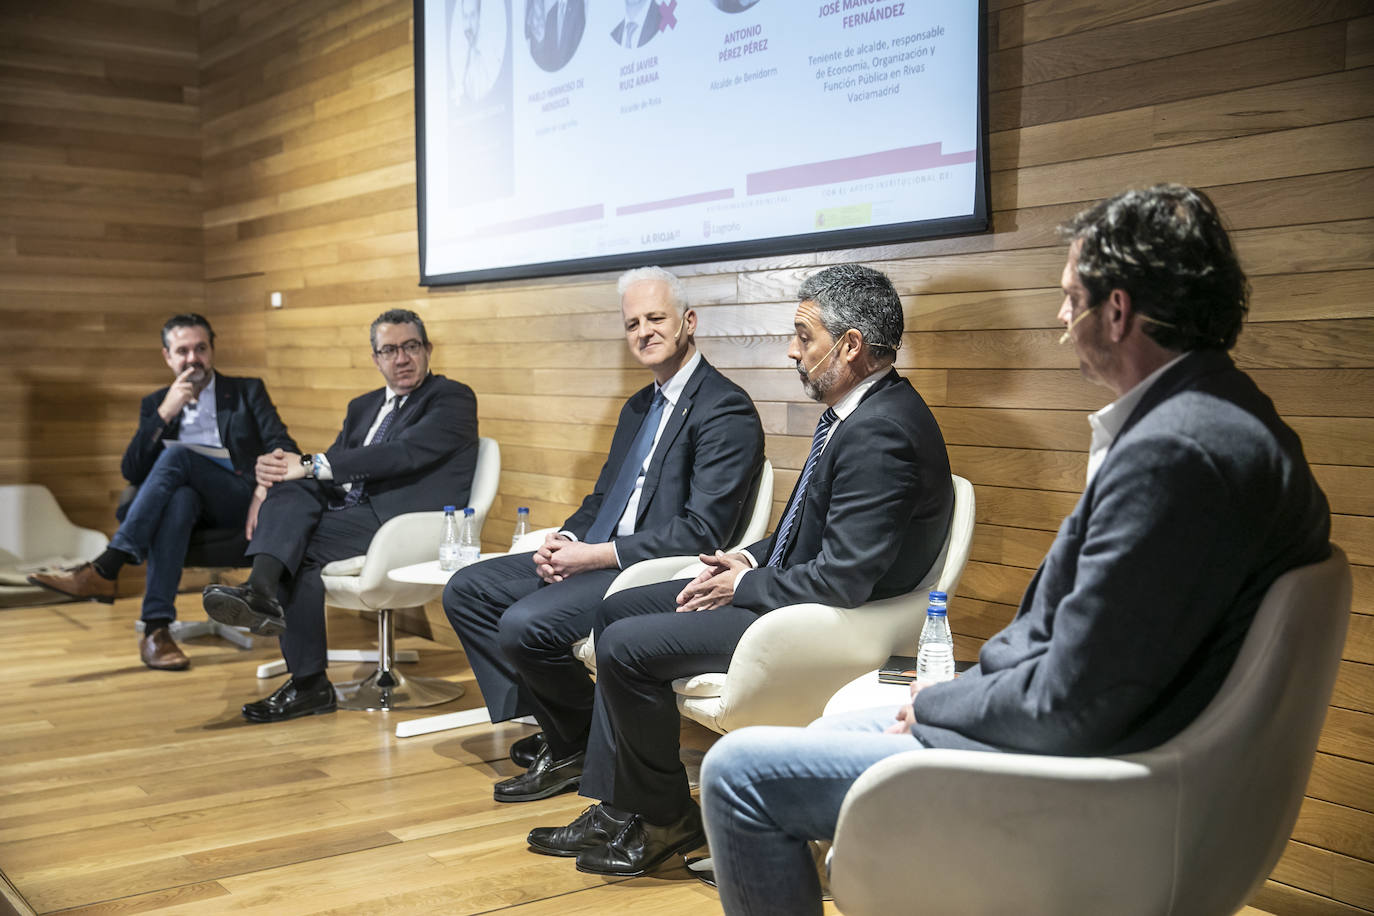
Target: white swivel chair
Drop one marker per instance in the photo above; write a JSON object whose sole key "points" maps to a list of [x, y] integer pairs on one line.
{"points": [[583, 649], [793, 658], [36, 534], [361, 584], [661, 569], [1192, 827]]}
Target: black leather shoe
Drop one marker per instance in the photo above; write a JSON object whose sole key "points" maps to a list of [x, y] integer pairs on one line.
{"points": [[593, 827], [240, 606], [290, 702], [524, 751], [641, 847], [545, 777]]}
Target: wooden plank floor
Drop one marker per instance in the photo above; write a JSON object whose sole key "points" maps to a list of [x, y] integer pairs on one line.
{"points": [[124, 790]]}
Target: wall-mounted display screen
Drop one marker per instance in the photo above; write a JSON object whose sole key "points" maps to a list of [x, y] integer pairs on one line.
{"points": [[559, 136]]}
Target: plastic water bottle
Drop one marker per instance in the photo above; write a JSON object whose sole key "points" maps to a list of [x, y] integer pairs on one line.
{"points": [[522, 525], [935, 658], [448, 541], [469, 550]]}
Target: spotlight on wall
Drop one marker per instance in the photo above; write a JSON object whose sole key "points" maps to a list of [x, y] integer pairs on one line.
{"points": [[276, 300]]}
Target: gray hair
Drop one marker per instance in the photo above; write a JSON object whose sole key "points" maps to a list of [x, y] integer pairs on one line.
{"points": [[677, 293], [398, 316], [858, 297]]}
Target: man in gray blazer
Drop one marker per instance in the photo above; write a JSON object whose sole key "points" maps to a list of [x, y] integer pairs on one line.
{"points": [[866, 521], [683, 465], [1198, 498]]}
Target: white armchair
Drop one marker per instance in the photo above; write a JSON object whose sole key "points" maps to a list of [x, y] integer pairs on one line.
{"points": [[793, 658], [361, 584], [1191, 827], [661, 569], [35, 534]]}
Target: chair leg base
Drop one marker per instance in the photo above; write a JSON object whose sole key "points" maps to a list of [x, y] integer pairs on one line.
{"points": [[393, 690], [190, 629]]}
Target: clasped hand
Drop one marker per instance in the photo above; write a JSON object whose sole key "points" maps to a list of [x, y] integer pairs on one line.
{"points": [[278, 465], [559, 558], [714, 586]]}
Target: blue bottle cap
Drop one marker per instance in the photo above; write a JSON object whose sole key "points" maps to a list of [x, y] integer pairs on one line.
{"points": [[448, 508], [938, 596], [469, 511]]}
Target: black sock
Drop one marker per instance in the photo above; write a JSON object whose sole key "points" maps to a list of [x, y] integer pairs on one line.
{"points": [[108, 564], [615, 812], [156, 624], [266, 575], [308, 681]]}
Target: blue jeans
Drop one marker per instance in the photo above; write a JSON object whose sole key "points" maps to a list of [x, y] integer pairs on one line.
{"points": [[181, 490], [766, 791]]}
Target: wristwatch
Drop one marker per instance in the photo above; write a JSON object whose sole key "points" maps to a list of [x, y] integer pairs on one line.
{"points": [[308, 462]]}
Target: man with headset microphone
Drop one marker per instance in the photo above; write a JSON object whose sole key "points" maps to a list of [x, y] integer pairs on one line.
{"points": [[680, 474]]}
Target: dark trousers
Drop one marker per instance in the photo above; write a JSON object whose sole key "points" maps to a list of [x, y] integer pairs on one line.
{"points": [[642, 645], [296, 526], [518, 632], [182, 490]]}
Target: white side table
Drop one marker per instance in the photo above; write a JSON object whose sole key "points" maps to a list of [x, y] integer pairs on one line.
{"points": [[430, 574]]}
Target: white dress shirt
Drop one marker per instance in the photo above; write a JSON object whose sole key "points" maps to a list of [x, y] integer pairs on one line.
{"points": [[630, 37], [200, 419], [1107, 422]]}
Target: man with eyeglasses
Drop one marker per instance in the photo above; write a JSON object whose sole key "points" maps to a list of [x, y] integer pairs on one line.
{"points": [[408, 447], [191, 459]]}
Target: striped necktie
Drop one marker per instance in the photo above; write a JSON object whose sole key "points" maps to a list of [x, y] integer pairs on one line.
{"points": [[355, 493], [782, 540]]}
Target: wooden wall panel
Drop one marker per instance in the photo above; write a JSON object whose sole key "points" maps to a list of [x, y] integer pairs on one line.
{"points": [[163, 154], [100, 231]]}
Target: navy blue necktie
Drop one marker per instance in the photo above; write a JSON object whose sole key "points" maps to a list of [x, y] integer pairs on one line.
{"points": [[618, 497], [355, 494], [783, 537]]}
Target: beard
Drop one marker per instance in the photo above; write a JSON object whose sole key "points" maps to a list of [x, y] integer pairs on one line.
{"points": [[817, 386]]}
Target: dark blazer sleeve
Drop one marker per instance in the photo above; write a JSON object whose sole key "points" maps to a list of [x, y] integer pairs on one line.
{"points": [[445, 423], [726, 443], [875, 483], [146, 444], [271, 430]]}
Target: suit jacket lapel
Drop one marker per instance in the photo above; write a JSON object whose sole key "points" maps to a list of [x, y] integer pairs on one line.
{"points": [[224, 405], [681, 410]]}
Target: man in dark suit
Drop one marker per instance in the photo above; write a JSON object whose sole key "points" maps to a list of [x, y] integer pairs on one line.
{"points": [[1198, 498], [555, 35], [682, 468], [178, 487], [639, 26], [866, 521], [408, 447]]}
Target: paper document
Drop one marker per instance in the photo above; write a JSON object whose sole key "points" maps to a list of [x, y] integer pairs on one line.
{"points": [[209, 451]]}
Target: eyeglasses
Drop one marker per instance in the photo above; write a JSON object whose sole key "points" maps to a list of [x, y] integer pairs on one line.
{"points": [[389, 351]]}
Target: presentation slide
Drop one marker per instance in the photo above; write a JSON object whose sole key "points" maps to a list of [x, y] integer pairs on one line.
{"points": [[566, 135]]}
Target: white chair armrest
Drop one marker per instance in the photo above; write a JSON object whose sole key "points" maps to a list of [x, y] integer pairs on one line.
{"points": [[1050, 823], [790, 662], [402, 541], [649, 572], [531, 540]]}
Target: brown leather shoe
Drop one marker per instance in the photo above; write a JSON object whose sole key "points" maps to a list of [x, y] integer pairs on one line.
{"points": [[160, 653], [78, 582]]}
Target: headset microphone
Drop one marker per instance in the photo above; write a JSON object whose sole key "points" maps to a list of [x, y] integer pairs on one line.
{"points": [[809, 371]]}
